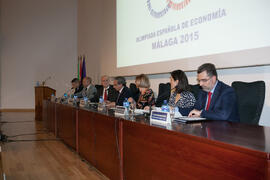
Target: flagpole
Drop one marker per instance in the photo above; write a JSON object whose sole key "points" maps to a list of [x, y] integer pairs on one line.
{"points": [[78, 67]]}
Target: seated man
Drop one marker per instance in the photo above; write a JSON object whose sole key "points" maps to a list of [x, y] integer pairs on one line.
{"points": [[76, 86], [119, 84], [89, 90], [107, 92], [216, 100]]}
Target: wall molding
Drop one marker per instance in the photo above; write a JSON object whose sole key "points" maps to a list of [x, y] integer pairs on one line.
{"points": [[17, 110]]}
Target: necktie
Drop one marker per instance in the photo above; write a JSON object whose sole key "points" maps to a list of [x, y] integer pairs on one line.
{"points": [[84, 92], [105, 95], [117, 98], [209, 101]]}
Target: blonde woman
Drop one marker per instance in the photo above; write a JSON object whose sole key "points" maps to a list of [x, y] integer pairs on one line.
{"points": [[146, 98]]}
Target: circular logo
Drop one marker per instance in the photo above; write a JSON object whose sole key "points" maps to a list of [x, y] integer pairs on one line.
{"points": [[170, 4], [155, 13], [178, 6]]}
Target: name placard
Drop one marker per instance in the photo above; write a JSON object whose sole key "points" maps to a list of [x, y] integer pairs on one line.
{"points": [[82, 103], [160, 117], [70, 101], [120, 110], [58, 100]]}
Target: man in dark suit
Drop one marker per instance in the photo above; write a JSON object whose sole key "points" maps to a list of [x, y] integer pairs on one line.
{"points": [[119, 84], [76, 86], [216, 100], [106, 91]]}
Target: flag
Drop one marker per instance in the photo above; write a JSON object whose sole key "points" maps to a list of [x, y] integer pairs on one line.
{"points": [[78, 68], [83, 69]]}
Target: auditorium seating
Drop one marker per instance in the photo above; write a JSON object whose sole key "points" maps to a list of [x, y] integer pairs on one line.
{"points": [[195, 90], [164, 92], [134, 91], [250, 98]]}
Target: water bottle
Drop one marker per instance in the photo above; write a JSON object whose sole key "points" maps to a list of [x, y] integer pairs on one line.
{"points": [[65, 98], [126, 105], [52, 98], [100, 104], [75, 100], [165, 107], [101, 100], [85, 99]]}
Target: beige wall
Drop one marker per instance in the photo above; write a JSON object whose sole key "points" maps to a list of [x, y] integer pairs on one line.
{"points": [[90, 35], [1, 46], [38, 40], [97, 35]]}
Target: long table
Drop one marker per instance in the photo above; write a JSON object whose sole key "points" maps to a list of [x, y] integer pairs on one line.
{"points": [[133, 148]]}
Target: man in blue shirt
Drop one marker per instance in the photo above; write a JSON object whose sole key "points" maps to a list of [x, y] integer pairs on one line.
{"points": [[216, 100]]}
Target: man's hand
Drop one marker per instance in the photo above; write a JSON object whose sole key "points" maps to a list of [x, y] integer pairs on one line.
{"points": [[131, 100], [195, 113], [146, 108], [111, 104]]}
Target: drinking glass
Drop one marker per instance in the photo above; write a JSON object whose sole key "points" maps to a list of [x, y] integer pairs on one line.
{"points": [[172, 112]]}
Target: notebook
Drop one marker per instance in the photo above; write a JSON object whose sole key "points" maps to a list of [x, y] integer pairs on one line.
{"points": [[188, 119]]}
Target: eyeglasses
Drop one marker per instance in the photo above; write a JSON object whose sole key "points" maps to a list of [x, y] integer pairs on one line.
{"points": [[203, 80]]}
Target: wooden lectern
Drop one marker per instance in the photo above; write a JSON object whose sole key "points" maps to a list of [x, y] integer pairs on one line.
{"points": [[41, 93]]}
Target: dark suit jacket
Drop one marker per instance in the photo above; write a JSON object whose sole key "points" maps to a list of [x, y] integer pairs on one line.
{"points": [[79, 89], [223, 104], [121, 97], [112, 94]]}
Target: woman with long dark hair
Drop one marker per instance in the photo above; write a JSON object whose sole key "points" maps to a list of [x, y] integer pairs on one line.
{"points": [[181, 95]]}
